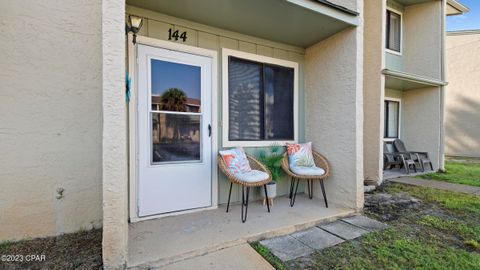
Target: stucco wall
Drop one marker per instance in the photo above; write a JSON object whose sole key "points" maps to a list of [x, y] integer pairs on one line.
{"points": [[423, 39], [334, 102], [420, 126], [462, 118], [114, 139], [373, 83], [156, 25], [51, 117]]}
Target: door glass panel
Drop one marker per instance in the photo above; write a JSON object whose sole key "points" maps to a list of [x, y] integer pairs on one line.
{"points": [[175, 87], [175, 137]]}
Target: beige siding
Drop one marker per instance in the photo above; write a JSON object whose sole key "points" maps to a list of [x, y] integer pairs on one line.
{"points": [[462, 118], [392, 93], [51, 115]]}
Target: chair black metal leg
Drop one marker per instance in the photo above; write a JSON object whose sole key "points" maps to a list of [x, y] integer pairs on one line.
{"points": [[323, 191], [292, 184], [266, 198], [294, 195], [310, 188], [229, 194], [245, 203]]}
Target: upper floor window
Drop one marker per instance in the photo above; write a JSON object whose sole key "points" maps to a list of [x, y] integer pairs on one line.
{"points": [[260, 100], [394, 31]]}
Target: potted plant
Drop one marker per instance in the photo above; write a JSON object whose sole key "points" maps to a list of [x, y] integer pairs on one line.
{"points": [[272, 159]]}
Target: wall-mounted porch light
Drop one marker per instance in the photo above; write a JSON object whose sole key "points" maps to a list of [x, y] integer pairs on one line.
{"points": [[134, 25]]}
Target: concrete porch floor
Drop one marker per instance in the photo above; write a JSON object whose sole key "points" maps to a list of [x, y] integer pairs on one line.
{"points": [[159, 242]]}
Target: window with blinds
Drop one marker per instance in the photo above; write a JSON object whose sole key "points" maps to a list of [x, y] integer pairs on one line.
{"points": [[394, 31], [261, 101]]}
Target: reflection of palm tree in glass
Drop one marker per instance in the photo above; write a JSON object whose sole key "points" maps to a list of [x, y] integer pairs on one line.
{"points": [[174, 99]]}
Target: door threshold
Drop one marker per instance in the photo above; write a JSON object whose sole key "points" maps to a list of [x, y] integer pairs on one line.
{"points": [[169, 214]]}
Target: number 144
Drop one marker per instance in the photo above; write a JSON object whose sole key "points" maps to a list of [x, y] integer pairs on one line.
{"points": [[175, 35]]}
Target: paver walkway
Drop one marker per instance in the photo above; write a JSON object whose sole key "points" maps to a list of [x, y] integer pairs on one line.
{"points": [[237, 257], [303, 243], [438, 185]]}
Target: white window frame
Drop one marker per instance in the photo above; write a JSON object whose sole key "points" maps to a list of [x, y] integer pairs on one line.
{"points": [[262, 59], [399, 119], [401, 31]]}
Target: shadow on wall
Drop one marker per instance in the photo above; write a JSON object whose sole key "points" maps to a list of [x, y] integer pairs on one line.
{"points": [[462, 128]]}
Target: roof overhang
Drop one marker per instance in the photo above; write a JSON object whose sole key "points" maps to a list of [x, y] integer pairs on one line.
{"points": [[407, 81], [300, 23], [455, 8]]}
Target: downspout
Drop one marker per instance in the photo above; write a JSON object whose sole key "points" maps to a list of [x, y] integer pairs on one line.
{"points": [[441, 157]]}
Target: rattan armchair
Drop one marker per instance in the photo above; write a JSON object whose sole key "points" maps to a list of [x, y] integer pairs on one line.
{"points": [[321, 162], [255, 165]]}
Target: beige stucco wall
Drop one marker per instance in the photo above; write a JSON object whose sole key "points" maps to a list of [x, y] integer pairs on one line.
{"points": [[421, 118], [423, 39], [373, 83], [114, 140], [462, 119], [334, 102], [51, 117]]}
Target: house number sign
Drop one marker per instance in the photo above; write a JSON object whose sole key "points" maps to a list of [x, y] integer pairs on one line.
{"points": [[175, 35]]}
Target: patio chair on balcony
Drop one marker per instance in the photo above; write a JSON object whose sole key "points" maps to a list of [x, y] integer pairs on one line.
{"points": [[259, 176], [421, 157], [310, 176]]}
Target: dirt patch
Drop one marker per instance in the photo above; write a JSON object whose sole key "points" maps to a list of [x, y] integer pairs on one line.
{"points": [[390, 207], [82, 250]]}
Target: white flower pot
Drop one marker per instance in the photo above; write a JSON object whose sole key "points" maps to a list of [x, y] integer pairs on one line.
{"points": [[271, 190]]}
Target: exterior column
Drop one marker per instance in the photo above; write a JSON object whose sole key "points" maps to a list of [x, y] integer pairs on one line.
{"points": [[334, 111], [373, 90], [114, 146]]}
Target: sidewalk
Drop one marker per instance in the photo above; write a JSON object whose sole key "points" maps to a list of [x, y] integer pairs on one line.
{"points": [[303, 243], [237, 257], [438, 185]]}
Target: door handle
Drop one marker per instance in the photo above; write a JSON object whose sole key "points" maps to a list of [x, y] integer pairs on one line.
{"points": [[209, 130]]}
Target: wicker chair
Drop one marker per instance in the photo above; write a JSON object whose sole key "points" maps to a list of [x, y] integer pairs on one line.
{"points": [[321, 162], [255, 165]]}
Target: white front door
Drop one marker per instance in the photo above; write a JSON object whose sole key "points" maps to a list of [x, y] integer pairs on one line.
{"points": [[174, 131]]}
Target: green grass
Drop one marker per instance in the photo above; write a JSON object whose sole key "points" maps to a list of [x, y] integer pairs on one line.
{"points": [[4, 245], [460, 203], [394, 248], [442, 233], [470, 233], [466, 173], [272, 259]]}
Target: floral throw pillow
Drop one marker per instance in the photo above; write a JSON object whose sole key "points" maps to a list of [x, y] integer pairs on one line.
{"points": [[300, 155], [236, 160]]}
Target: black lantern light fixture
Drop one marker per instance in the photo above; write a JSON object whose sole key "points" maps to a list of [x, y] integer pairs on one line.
{"points": [[134, 25]]}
